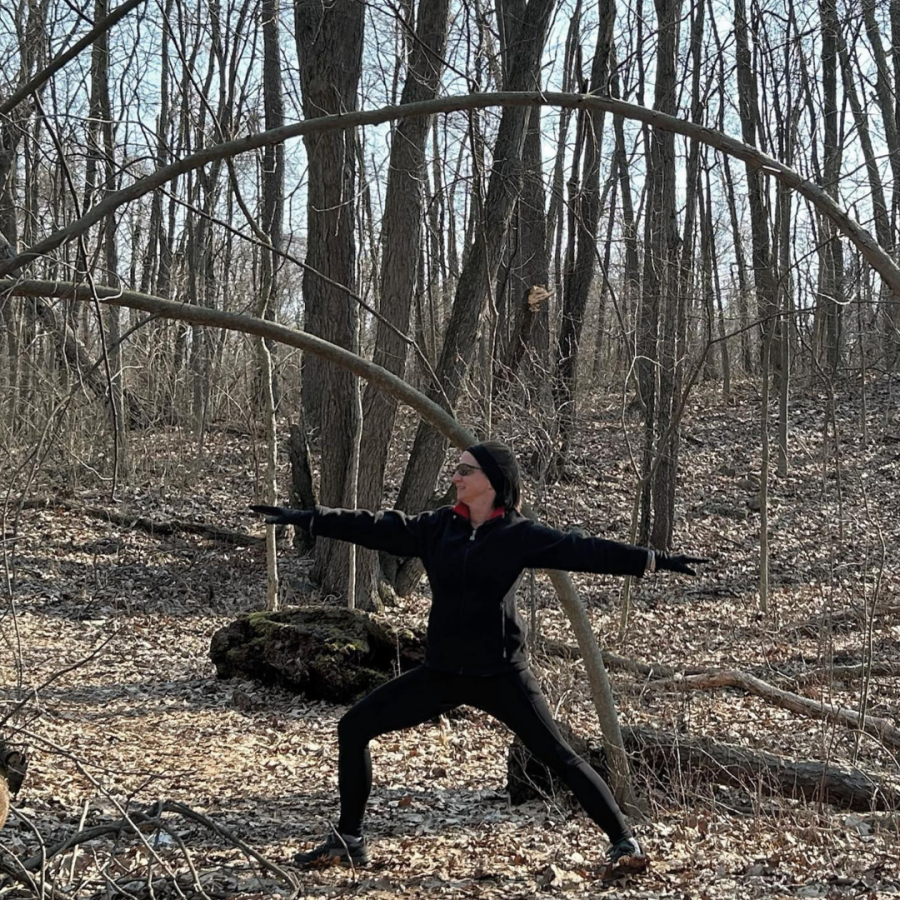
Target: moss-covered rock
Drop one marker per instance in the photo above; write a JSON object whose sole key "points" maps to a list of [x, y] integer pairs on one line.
{"points": [[325, 653]]}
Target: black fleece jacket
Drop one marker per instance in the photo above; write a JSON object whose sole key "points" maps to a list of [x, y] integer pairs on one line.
{"points": [[474, 627]]}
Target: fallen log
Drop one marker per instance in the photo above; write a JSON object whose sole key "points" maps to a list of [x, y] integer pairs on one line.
{"points": [[154, 526], [660, 755], [622, 663]]}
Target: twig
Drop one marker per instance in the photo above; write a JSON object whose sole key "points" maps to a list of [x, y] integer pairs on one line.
{"points": [[56, 675], [90, 834], [58, 62], [188, 813], [187, 857]]}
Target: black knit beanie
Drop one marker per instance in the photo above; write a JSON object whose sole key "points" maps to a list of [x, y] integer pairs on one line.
{"points": [[502, 471]]}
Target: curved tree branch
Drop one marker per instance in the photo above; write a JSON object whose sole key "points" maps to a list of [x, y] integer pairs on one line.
{"points": [[201, 315], [877, 257], [42, 77]]}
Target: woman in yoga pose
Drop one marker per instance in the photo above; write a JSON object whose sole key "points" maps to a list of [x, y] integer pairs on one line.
{"points": [[474, 555]]}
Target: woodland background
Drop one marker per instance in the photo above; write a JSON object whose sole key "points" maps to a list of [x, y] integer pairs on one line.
{"points": [[683, 351]]}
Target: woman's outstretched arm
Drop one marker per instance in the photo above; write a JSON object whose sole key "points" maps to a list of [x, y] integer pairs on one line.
{"points": [[389, 530], [548, 548]]}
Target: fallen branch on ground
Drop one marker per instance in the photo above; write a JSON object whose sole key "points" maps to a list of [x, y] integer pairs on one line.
{"points": [[879, 728], [612, 661], [147, 822], [171, 526]]}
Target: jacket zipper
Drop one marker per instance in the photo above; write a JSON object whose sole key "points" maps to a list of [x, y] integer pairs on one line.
{"points": [[465, 588]]}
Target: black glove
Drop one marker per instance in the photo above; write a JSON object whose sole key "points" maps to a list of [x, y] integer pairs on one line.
{"points": [[679, 563], [282, 515]]}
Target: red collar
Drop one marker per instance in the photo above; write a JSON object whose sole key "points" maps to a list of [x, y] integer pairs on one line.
{"points": [[462, 510]]}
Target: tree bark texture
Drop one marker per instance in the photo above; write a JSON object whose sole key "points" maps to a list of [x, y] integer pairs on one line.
{"points": [[579, 275], [748, 100], [329, 47], [401, 243], [658, 319], [478, 272]]}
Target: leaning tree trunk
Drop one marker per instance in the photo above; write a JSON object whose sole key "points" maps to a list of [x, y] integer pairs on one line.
{"points": [[578, 279], [329, 48], [401, 250], [478, 273]]}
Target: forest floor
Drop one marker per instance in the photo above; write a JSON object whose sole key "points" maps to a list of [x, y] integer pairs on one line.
{"points": [[141, 716]]}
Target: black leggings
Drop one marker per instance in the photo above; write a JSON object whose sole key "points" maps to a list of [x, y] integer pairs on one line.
{"points": [[513, 697]]}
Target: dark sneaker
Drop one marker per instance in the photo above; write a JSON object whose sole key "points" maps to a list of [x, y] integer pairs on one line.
{"points": [[337, 850], [625, 857]]}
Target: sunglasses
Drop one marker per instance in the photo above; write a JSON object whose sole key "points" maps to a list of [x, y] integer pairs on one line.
{"points": [[464, 469]]}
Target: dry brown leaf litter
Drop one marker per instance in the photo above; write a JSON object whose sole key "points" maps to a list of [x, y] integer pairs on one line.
{"points": [[146, 718]]}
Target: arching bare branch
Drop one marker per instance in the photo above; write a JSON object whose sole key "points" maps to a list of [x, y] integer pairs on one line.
{"points": [[41, 78], [767, 165], [201, 315]]}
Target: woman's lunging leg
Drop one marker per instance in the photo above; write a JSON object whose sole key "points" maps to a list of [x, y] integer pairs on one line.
{"points": [[406, 701], [517, 701]]}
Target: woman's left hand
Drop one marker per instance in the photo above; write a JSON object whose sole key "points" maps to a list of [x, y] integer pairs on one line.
{"points": [[679, 563]]}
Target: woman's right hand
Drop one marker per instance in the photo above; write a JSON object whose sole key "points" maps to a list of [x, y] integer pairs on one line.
{"points": [[283, 515]]}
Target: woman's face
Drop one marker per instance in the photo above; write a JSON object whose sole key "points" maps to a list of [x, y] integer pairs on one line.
{"points": [[472, 487]]}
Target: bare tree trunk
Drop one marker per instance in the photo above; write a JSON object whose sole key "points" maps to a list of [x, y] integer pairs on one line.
{"points": [[763, 582], [763, 270], [302, 494], [530, 277], [268, 303], [788, 112], [631, 288], [884, 95], [679, 291], [329, 48], [555, 216], [711, 288], [660, 285], [401, 252], [832, 289], [478, 273], [583, 238], [606, 287]]}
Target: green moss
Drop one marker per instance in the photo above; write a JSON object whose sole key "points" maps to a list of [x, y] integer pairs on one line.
{"points": [[346, 648], [264, 622]]}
